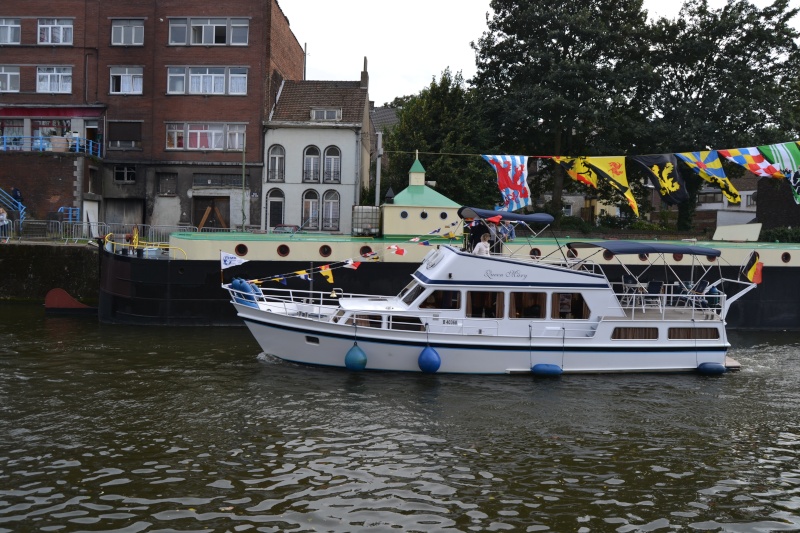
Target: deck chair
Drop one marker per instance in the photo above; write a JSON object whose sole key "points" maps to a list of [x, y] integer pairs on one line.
{"points": [[653, 296], [692, 296]]}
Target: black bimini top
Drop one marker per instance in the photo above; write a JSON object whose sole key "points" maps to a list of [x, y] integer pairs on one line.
{"points": [[535, 218], [633, 247]]}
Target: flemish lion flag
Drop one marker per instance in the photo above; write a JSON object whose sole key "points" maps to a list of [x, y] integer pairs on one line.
{"points": [[708, 166], [512, 180], [325, 272], [662, 169], [576, 168], [612, 170]]}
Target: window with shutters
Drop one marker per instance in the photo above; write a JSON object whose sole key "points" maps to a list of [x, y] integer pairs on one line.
{"points": [[123, 135]]}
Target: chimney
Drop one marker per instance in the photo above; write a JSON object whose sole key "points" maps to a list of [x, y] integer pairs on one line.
{"points": [[365, 75]]}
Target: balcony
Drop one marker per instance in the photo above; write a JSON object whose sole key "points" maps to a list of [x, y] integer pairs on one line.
{"points": [[16, 143]]}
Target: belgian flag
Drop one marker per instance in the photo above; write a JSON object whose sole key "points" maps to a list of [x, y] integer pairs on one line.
{"points": [[752, 269]]}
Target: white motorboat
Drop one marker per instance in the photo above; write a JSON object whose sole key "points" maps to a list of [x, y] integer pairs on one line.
{"points": [[499, 314]]}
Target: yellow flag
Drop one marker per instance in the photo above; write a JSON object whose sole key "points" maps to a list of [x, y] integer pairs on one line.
{"points": [[325, 272], [612, 170], [576, 168]]}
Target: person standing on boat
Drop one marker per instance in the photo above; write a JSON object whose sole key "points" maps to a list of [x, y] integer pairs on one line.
{"points": [[507, 231], [482, 248], [3, 224]]}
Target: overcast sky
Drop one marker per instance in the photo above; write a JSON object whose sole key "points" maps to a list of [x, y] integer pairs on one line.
{"points": [[407, 44]]}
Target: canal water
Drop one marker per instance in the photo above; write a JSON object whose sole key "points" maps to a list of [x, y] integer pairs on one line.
{"points": [[129, 429]]}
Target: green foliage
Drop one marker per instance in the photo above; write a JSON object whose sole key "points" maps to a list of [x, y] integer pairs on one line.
{"points": [[575, 223], [780, 235], [441, 123]]}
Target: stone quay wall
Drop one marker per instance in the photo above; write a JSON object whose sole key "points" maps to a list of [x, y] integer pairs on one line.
{"points": [[29, 270]]}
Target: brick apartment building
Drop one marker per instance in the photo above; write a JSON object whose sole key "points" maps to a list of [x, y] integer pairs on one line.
{"points": [[138, 111]]}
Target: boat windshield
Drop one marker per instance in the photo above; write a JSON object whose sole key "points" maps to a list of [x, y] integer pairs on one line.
{"points": [[410, 292]]}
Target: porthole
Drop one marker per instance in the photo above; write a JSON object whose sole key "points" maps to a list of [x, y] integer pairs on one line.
{"points": [[241, 250], [535, 253], [711, 258], [365, 250], [677, 257], [608, 256], [325, 250], [643, 257], [283, 250], [786, 257], [443, 215], [403, 214], [423, 215]]}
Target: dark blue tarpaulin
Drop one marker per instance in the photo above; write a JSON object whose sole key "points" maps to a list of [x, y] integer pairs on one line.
{"points": [[633, 247]]}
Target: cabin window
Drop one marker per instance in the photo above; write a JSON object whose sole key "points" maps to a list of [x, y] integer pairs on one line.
{"points": [[406, 323], [569, 305], [485, 304], [635, 333], [369, 321], [442, 300], [338, 316], [527, 305], [693, 333], [410, 293]]}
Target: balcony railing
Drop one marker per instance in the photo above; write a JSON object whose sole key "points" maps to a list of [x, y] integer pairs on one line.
{"points": [[17, 143]]}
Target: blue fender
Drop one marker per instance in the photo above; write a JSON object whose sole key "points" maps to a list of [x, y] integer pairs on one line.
{"points": [[711, 369], [429, 360], [355, 359], [544, 369]]}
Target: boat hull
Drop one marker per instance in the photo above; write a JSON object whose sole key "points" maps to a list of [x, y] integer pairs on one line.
{"points": [[321, 344]]}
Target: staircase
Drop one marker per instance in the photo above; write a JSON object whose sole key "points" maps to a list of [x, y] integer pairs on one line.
{"points": [[12, 204]]}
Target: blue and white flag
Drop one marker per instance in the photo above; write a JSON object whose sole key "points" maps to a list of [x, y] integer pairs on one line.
{"points": [[229, 260], [512, 180]]}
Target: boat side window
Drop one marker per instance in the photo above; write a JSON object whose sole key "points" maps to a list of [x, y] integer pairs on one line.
{"points": [[410, 293], [338, 316], [446, 300], [635, 333], [569, 305], [527, 305], [406, 323], [693, 333], [485, 304], [369, 321]]}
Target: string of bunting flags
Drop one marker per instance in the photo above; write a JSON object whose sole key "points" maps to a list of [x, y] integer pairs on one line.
{"points": [[326, 271], [779, 161]]}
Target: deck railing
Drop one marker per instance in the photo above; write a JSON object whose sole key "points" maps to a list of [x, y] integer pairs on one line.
{"points": [[68, 143]]}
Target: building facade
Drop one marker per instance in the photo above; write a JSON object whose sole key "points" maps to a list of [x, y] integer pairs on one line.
{"points": [[161, 101], [318, 154]]}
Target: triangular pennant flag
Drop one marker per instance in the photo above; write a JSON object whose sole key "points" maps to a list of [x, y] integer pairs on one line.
{"points": [[425, 243], [576, 168], [352, 264], [786, 156], [708, 166], [662, 169], [612, 170], [512, 180], [282, 281], [396, 249], [227, 260], [753, 160], [415, 239], [325, 272], [437, 230], [302, 274]]}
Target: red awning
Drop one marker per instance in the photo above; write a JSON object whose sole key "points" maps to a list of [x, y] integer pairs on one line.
{"points": [[52, 112]]}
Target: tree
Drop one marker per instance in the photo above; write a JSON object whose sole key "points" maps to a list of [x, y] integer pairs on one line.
{"points": [[442, 124], [564, 77]]}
